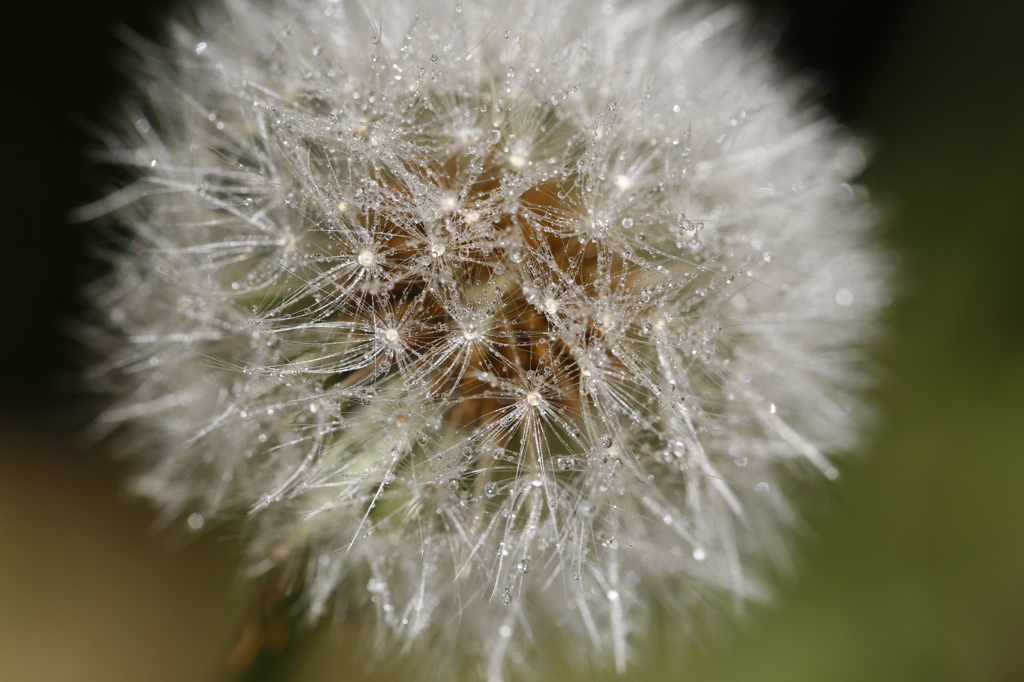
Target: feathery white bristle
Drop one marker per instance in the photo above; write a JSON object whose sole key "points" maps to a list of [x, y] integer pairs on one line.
{"points": [[506, 318]]}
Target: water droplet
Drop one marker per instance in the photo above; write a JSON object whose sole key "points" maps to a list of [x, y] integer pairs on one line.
{"points": [[627, 223], [565, 463], [491, 489], [196, 521], [533, 398], [699, 554], [762, 488]]}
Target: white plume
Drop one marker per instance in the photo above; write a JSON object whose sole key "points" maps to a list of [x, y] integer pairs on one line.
{"points": [[499, 320]]}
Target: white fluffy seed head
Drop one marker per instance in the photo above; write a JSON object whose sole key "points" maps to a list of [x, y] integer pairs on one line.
{"points": [[651, 243]]}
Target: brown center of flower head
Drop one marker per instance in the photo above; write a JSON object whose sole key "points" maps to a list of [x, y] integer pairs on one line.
{"points": [[501, 315], [470, 318]]}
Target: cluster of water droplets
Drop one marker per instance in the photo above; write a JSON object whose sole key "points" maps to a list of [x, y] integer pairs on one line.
{"points": [[491, 324]]}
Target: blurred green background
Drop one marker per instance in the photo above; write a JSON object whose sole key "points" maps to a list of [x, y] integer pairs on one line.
{"points": [[914, 572]]}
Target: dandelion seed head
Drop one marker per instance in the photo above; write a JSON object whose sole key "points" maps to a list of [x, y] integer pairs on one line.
{"points": [[497, 308]]}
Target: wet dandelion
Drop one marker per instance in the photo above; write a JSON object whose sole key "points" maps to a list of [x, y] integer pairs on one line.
{"points": [[494, 319]]}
